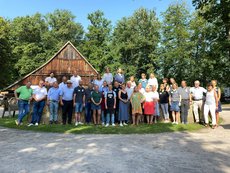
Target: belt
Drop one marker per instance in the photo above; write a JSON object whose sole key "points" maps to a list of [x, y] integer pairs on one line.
{"points": [[197, 99], [24, 100], [53, 100]]}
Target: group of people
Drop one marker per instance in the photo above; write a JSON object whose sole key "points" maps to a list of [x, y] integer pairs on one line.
{"points": [[109, 100]]}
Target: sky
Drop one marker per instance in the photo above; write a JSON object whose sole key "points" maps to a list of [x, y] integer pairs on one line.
{"points": [[113, 9]]}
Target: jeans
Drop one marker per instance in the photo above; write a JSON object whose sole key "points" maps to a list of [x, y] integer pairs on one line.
{"points": [[165, 110], [103, 119], [88, 112], [108, 118], [184, 110], [157, 112], [53, 110], [23, 107], [37, 111], [67, 109]]}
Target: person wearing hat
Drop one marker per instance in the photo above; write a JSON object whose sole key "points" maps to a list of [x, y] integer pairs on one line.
{"points": [[66, 101]]}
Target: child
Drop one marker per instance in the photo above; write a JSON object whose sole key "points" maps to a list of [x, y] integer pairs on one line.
{"points": [[174, 101], [136, 99], [110, 105]]}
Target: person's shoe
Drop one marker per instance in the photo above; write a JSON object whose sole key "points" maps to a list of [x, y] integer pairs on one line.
{"points": [[36, 124], [55, 122], [113, 125], [76, 124], [31, 124], [16, 122], [103, 124], [176, 123], [125, 124], [121, 124], [51, 122], [173, 122], [107, 125], [80, 123]]}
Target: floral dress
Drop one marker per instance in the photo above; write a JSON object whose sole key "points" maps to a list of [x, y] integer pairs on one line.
{"points": [[136, 102]]}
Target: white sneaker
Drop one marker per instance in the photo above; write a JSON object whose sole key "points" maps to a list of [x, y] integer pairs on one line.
{"points": [[76, 124], [176, 123], [31, 124], [113, 124], [173, 122], [125, 124], [102, 124], [80, 123], [121, 124], [107, 125], [36, 124]]}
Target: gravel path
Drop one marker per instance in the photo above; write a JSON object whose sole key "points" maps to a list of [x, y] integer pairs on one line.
{"points": [[205, 151]]}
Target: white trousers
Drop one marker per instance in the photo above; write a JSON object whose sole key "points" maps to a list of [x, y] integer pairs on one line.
{"points": [[212, 109], [196, 106]]}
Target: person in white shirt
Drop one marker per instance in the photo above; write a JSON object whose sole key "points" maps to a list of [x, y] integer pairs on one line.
{"points": [[50, 80], [197, 94], [149, 104], [108, 77], [129, 89], [75, 79], [99, 81], [153, 81], [141, 90], [39, 96], [132, 80]]}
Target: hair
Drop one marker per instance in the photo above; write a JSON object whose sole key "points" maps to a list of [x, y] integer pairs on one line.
{"points": [[166, 79], [143, 74], [209, 84]]}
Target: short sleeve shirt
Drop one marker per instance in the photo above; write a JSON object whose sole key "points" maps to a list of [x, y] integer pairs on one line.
{"points": [[96, 96], [80, 92], [24, 92], [40, 92], [175, 95]]}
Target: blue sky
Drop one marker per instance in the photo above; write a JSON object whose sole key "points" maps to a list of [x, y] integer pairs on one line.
{"points": [[113, 9]]}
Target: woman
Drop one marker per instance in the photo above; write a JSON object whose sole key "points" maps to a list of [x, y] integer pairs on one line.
{"points": [[143, 80], [172, 81], [99, 81], [165, 83], [218, 92], [149, 104], [119, 77], [110, 105], [132, 81], [140, 89], [136, 100], [174, 101], [96, 105], [123, 105], [156, 99], [108, 77], [210, 105], [164, 99], [153, 80]]}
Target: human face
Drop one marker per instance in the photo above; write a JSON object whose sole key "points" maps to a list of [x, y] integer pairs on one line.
{"points": [[172, 80], [197, 84], [107, 70], [143, 76], [41, 83], [147, 89], [104, 83], [214, 83], [119, 70], [210, 87], [96, 88], [183, 84], [154, 88], [51, 75], [64, 79], [131, 78], [55, 85], [162, 87], [110, 87], [28, 84], [128, 84], [123, 87], [174, 86], [136, 89], [116, 84]]}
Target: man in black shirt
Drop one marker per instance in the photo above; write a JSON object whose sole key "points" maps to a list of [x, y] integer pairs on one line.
{"points": [[116, 89]]}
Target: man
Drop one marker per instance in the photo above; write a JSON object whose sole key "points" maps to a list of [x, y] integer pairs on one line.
{"points": [[103, 89], [53, 98], [108, 77], [79, 102], [75, 79], [63, 83], [88, 92], [185, 101], [39, 96], [116, 89], [25, 95], [50, 80], [197, 94], [66, 101]]}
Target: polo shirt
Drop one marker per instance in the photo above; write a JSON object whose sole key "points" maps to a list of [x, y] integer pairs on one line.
{"points": [[96, 96], [175, 95], [99, 83], [79, 92], [50, 80], [24, 92], [67, 93], [75, 80], [88, 94], [108, 77], [184, 92], [54, 94], [198, 92]]}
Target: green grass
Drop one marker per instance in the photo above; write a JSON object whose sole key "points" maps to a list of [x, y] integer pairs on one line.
{"points": [[91, 129]]}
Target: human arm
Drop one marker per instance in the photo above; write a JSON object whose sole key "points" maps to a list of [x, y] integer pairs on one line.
{"points": [[216, 99]]}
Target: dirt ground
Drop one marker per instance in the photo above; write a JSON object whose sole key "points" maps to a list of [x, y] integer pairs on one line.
{"points": [[205, 151]]}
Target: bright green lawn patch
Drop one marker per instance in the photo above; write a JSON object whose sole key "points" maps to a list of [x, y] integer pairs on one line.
{"points": [[91, 129]]}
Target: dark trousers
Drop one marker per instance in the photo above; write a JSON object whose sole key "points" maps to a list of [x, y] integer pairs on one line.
{"points": [[67, 109], [88, 112], [37, 111], [184, 110]]}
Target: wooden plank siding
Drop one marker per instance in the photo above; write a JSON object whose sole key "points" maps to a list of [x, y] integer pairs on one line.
{"points": [[63, 63]]}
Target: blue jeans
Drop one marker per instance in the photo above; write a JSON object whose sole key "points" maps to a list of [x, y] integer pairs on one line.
{"points": [[53, 110], [37, 111], [103, 119], [24, 108], [88, 112], [108, 118], [157, 112], [165, 110]]}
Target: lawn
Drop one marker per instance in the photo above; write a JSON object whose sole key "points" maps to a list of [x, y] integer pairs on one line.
{"points": [[91, 129]]}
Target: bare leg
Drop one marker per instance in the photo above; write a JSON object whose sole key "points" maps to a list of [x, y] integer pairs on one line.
{"points": [[98, 116], [148, 118], [173, 116], [177, 117], [133, 118], [137, 119], [94, 117], [151, 119], [217, 118]]}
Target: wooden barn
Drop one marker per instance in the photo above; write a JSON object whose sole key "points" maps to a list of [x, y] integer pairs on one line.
{"points": [[67, 60]]}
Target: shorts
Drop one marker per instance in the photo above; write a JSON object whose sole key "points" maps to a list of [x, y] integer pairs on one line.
{"points": [[78, 107], [175, 106], [95, 107]]}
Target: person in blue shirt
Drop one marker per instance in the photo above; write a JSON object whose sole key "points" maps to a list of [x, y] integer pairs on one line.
{"points": [[143, 80], [53, 98], [66, 100], [119, 77]]}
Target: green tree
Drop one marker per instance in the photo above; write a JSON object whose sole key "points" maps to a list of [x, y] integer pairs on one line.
{"points": [[175, 58], [97, 40], [136, 38]]}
